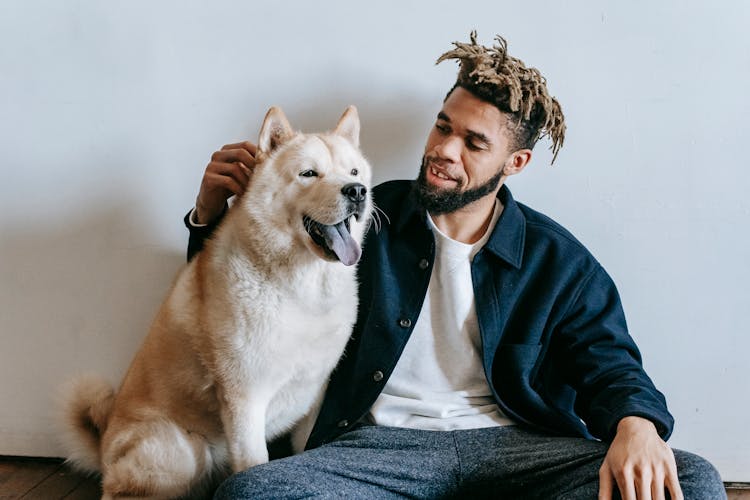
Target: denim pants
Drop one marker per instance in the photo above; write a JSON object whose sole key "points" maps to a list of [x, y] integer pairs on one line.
{"points": [[373, 462]]}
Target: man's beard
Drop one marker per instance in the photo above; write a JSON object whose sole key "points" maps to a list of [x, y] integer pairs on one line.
{"points": [[442, 201]]}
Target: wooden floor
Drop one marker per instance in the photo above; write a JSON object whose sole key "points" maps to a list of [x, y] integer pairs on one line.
{"points": [[738, 491], [44, 479], [49, 479]]}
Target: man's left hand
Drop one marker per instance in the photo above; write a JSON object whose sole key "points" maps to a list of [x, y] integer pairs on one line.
{"points": [[640, 462]]}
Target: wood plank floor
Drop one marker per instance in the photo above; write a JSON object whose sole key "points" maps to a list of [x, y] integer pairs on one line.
{"points": [[50, 479], [44, 479], [738, 491]]}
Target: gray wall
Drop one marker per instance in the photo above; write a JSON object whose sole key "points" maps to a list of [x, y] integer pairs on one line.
{"points": [[110, 112]]}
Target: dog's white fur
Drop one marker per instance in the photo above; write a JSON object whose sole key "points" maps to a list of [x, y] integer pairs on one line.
{"points": [[243, 345]]}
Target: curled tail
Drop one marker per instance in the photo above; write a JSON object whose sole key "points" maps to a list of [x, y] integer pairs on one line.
{"points": [[86, 405]]}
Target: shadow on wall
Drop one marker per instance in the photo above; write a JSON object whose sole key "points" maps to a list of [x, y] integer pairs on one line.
{"points": [[80, 294]]}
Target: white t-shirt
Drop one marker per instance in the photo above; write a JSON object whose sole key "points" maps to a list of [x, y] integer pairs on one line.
{"points": [[439, 381]]}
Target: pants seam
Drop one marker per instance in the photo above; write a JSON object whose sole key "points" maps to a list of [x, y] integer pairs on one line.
{"points": [[460, 472]]}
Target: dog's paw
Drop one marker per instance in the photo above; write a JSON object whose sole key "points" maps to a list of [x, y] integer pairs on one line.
{"points": [[247, 460], [241, 465]]}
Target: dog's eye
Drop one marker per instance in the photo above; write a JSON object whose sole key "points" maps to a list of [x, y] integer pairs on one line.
{"points": [[308, 173], [355, 171]]}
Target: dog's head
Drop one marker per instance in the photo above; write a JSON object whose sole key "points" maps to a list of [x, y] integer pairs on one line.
{"points": [[313, 188]]}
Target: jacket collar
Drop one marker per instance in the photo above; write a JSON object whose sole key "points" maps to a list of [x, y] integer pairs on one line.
{"points": [[507, 238]]}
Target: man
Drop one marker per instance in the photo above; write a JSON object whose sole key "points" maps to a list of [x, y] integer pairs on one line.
{"points": [[490, 357]]}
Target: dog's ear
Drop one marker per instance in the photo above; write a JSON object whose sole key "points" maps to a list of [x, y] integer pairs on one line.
{"points": [[348, 126], [274, 131]]}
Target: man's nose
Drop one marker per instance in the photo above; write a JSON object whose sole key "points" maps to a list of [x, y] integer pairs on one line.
{"points": [[449, 148]]}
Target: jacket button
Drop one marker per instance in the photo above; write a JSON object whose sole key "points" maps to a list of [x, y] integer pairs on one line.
{"points": [[377, 376], [343, 423], [424, 264], [404, 322]]}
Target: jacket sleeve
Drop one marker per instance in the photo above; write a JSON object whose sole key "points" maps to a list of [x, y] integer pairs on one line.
{"points": [[603, 364], [199, 234]]}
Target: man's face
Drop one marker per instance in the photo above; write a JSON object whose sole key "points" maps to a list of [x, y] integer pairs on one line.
{"points": [[465, 154]]}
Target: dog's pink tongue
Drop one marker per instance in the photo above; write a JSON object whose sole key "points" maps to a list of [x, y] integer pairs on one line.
{"points": [[341, 242]]}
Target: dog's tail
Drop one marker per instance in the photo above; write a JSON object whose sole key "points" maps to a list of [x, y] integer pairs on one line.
{"points": [[86, 404]]}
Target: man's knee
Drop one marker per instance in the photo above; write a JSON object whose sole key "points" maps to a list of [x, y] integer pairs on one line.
{"points": [[240, 485], [270, 480], [698, 477]]}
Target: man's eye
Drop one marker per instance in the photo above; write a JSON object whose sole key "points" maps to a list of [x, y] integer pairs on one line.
{"points": [[308, 173], [474, 147], [442, 128]]}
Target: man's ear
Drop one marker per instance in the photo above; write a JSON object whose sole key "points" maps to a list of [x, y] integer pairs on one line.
{"points": [[516, 162], [275, 130], [348, 126]]}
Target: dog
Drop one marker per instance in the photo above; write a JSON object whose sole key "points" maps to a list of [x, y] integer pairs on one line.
{"points": [[242, 348]]}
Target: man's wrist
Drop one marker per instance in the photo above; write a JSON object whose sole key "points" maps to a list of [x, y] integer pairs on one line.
{"points": [[199, 217], [635, 423], [193, 219]]}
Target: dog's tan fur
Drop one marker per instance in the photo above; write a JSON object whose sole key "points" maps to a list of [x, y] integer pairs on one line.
{"points": [[242, 347]]}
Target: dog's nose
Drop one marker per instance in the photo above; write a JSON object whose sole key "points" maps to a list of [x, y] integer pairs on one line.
{"points": [[355, 192]]}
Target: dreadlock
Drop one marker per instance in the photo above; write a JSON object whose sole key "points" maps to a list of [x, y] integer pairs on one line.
{"points": [[504, 81]]}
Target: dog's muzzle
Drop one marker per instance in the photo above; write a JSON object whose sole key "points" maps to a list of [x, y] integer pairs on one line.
{"points": [[336, 239]]}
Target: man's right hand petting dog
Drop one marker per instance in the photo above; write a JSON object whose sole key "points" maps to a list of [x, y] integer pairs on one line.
{"points": [[243, 346]]}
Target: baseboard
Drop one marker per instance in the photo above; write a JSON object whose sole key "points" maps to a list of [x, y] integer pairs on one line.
{"points": [[30, 444]]}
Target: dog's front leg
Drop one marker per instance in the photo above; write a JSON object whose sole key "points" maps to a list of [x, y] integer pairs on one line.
{"points": [[244, 418], [301, 431]]}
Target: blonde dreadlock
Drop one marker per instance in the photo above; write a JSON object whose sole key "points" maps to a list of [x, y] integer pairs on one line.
{"points": [[493, 75]]}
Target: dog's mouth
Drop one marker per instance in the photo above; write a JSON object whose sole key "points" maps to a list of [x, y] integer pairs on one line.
{"points": [[335, 240]]}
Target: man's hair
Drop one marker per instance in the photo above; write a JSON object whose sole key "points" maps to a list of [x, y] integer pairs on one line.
{"points": [[521, 93]]}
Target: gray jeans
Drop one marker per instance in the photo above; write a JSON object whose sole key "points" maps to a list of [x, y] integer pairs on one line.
{"points": [[373, 462]]}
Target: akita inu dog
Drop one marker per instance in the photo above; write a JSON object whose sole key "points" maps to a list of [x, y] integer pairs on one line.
{"points": [[243, 345]]}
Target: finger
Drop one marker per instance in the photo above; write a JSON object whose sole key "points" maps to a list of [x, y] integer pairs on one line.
{"points": [[626, 485], [246, 145], [657, 487], [605, 484], [224, 182], [643, 485], [234, 155], [672, 479], [237, 171], [234, 145], [673, 485], [245, 162]]}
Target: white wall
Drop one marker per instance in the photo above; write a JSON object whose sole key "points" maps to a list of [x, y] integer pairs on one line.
{"points": [[110, 112]]}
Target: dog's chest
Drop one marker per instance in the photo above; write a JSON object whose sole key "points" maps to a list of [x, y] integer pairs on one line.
{"points": [[298, 309]]}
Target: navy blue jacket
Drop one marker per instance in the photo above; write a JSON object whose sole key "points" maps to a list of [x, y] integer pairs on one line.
{"points": [[556, 351]]}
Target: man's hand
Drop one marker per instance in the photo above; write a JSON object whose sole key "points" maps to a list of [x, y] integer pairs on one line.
{"points": [[227, 174], [640, 462]]}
